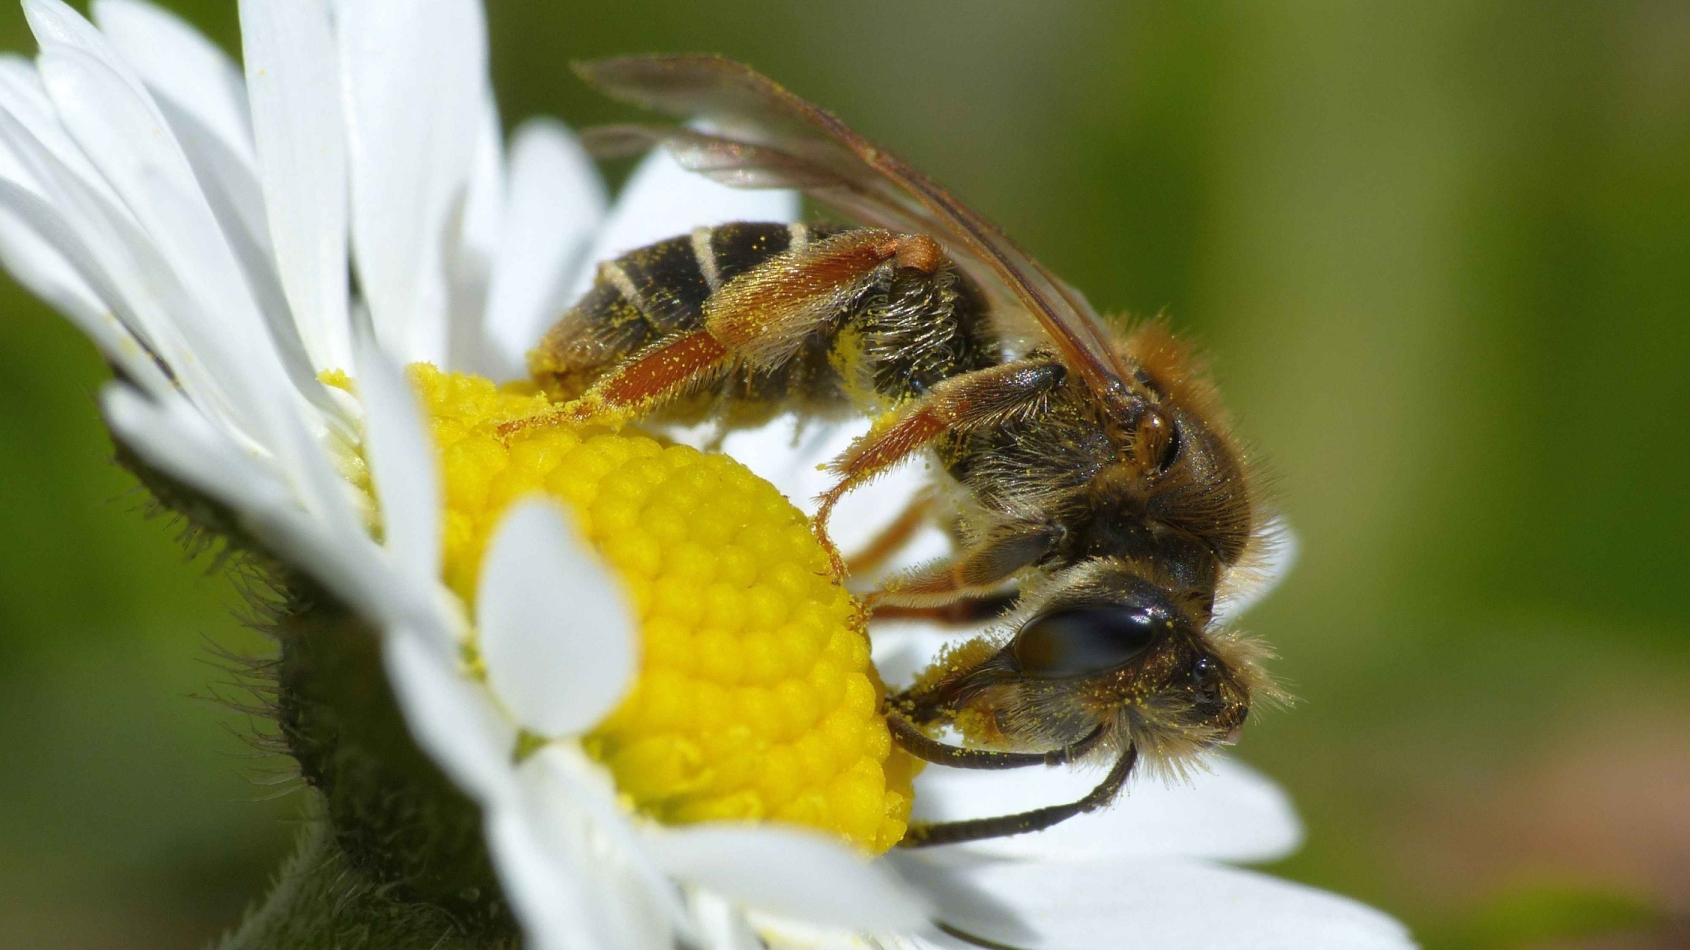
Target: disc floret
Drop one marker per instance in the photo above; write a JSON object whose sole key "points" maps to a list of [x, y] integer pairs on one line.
{"points": [[755, 698]]}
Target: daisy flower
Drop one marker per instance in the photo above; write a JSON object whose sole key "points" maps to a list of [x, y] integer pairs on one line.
{"points": [[199, 225], [200, 221]]}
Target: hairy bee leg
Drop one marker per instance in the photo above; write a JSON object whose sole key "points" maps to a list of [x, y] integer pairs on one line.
{"points": [[1038, 819], [655, 376], [979, 569], [918, 744], [761, 317], [637, 385], [957, 613], [958, 404]]}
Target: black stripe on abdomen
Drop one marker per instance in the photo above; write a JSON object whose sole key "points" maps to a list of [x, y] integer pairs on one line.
{"points": [[740, 247], [667, 284]]}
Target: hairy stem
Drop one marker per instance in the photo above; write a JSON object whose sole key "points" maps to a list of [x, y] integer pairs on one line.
{"points": [[320, 900]]}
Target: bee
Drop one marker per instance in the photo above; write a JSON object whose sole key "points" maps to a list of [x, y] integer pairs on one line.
{"points": [[1096, 485]]}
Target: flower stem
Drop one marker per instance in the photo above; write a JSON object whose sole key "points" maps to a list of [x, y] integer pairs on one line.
{"points": [[321, 900]]}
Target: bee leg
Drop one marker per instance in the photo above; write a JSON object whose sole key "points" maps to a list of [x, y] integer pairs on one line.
{"points": [[918, 744], [1038, 819], [958, 613], [979, 570], [638, 385], [654, 377], [971, 401], [760, 318]]}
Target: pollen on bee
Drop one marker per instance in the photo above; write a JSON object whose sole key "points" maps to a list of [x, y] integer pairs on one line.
{"points": [[756, 698]]}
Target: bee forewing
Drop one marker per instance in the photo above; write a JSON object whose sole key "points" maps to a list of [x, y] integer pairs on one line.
{"points": [[722, 160], [775, 130]]}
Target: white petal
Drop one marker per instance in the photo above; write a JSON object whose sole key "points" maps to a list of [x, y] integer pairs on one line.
{"points": [[38, 241], [555, 202], [49, 276], [1231, 813], [549, 892], [555, 626], [1170, 903], [229, 185], [774, 932], [484, 197], [721, 923], [55, 188], [86, 225], [37, 264], [402, 465], [294, 89], [179, 64], [943, 880], [572, 865], [663, 200], [471, 242], [124, 268], [118, 131], [792, 459], [452, 718], [26, 100], [171, 435], [415, 76], [792, 873], [1246, 587], [229, 180], [589, 786], [55, 23], [199, 92], [198, 88], [230, 339], [331, 502]]}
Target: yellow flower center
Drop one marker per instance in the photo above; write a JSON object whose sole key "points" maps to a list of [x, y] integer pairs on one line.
{"points": [[755, 698]]}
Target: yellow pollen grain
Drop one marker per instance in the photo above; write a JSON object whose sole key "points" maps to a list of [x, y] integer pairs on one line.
{"points": [[755, 699]]}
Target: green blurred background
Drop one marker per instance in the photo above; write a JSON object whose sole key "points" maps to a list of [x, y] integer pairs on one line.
{"points": [[1440, 255]]}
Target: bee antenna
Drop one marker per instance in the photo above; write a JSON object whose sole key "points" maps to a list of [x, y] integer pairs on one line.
{"points": [[1037, 819]]}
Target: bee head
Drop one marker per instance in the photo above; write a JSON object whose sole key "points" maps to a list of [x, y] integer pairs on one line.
{"points": [[1107, 645]]}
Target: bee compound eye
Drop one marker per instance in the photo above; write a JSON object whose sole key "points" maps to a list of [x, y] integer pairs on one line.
{"points": [[1092, 638]]}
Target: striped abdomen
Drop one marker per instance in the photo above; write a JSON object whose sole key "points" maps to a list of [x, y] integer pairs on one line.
{"points": [[906, 332]]}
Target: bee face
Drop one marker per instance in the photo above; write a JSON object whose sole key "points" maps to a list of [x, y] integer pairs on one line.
{"points": [[1109, 649]]}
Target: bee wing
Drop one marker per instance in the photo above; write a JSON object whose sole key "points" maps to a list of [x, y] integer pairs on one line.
{"points": [[731, 162], [740, 164], [770, 137]]}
